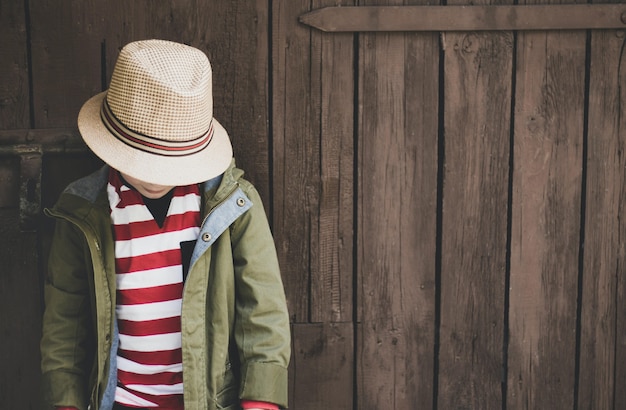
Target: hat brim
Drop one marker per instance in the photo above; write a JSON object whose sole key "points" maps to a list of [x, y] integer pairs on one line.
{"points": [[152, 168]]}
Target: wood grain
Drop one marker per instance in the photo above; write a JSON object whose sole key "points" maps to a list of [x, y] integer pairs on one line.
{"points": [[66, 59], [477, 118], [436, 252], [396, 226], [322, 366], [545, 236], [332, 96], [602, 352], [21, 306], [14, 79], [466, 17], [296, 153]]}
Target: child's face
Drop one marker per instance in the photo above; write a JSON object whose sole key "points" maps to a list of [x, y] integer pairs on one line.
{"points": [[152, 191]]}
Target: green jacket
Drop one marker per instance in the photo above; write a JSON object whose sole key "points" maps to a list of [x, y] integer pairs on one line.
{"points": [[234, 324]]}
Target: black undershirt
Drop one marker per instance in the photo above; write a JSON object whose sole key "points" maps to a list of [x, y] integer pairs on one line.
{"points": [[158, 207]]}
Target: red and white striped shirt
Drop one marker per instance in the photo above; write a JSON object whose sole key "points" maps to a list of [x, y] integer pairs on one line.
{"points": [[149, 293]]}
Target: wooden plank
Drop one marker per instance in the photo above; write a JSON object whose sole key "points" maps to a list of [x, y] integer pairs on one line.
{"points": [[620, 320], [467, 18], [9, 182], [237, 43], [14, 84], [602, 319], [396, 227], [322, 366], [296, 152], [66, 58], [545, 232], [332, 97], [477, 117], [313, 160], [313, 165], [21, 306]]}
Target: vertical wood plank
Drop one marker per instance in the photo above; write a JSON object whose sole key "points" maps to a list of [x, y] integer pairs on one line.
{"points": [[322, 364], [620, 327], [237, 43], [313, 159], [546, 207], [602, 366], [14, 87], [478, 72], [20, 308], [296, 152], [66, 58], [332, 93], [396, 228]]}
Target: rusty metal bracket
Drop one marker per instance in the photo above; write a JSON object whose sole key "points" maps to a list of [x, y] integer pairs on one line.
{"points": [[30, 188], [30, 183], [30, 146], [467, 18]]}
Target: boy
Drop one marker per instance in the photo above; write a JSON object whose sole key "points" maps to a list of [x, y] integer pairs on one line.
{"points": [[163, 287]]}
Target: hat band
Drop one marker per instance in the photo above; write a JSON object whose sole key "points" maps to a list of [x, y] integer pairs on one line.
{"points": [[150, 144]]}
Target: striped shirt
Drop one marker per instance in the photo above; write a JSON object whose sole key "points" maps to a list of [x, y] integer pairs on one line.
{"points": [[149, 277]]}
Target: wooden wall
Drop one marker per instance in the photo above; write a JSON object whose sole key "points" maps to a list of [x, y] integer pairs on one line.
{"points": [[447, 206]]}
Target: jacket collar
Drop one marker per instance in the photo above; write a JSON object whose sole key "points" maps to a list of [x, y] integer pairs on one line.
{"points": [[92, 189]]}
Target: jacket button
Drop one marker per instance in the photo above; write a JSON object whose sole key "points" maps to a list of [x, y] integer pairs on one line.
{"points": [[241, 202], [206, 237]]}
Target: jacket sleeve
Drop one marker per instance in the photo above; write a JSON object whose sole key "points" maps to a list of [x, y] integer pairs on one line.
{"points": [[66, 321], [262, 328]]}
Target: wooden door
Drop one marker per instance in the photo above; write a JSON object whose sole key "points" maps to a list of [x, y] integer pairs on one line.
{"points": [[481, 152], [445, 186]]}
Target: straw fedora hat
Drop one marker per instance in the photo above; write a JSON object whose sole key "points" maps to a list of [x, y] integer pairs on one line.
{"points": [[155, 122]]}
